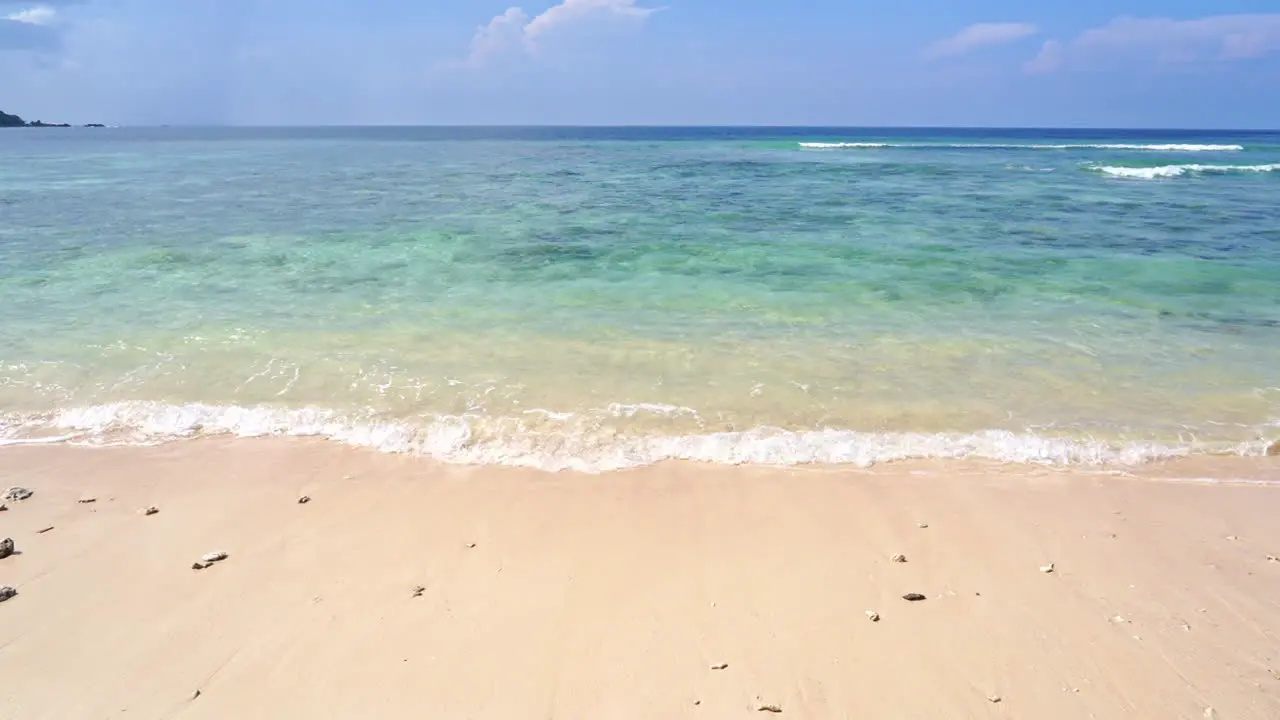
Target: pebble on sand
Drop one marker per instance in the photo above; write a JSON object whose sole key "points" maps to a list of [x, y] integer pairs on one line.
{"points": [[304, 500], [3, 507], [418, 590], [994, 699], [922, 526], [767, 707], [720, 666], [873, 616], [150, 510], [7, 592], [17, 494], [1047, 568], [913, 597], [899, 558], [213, 557], [6, 548], [87, 499]]}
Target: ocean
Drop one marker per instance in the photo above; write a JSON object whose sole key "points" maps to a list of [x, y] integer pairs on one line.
{"points": [[603, 298]]}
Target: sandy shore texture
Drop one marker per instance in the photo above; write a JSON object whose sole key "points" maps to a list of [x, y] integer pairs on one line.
{"points": [[404, 589]]}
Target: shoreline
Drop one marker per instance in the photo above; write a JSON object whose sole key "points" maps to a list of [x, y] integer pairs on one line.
{"points": [[1258, 468], [617, 438], [615, 595]]}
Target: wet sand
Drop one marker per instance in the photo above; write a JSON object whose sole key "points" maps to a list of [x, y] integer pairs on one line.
{"points": [[407, 589]]}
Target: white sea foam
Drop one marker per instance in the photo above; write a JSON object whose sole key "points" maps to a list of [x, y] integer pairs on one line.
{"points": [[834, 146], [633, 409], [1173, 171], [575, 444], [1162, 147]]}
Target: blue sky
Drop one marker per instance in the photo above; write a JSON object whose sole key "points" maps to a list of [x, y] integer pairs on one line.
{"points": [[1114, 63]]}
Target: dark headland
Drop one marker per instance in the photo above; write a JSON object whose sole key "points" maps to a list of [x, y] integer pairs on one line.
{"points": [[7, 120]]}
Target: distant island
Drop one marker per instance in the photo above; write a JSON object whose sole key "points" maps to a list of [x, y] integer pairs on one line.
{"points": [[7, 120]]}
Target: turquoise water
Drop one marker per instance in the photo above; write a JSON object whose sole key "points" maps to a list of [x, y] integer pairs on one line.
{"points": [[599, 299]]}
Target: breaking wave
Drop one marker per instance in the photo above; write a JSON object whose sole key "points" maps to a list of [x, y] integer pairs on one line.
{"points": [[565, 441], [1164, 147], [1174, 171]]}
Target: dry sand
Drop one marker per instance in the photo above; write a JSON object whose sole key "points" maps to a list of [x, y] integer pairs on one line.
{"points": [[613, 596]]}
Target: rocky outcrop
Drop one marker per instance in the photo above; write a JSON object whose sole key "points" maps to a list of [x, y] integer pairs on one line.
{"points": [[7, 120]]}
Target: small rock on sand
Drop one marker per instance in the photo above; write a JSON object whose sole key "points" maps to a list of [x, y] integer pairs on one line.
{"points": [[418, 590], [767, 707], [873, 616], [1273, 558], [899, 558], [44, 530], [199, 565], [994, 699], [470, 545], [195, 694], [87, 499], [1047, 568], [922, 526], [150, 510], [6, 548], [213, 557], [7, 592], [304, 500], [3, 507], [913, 597], [720, 666], [17, 494]]}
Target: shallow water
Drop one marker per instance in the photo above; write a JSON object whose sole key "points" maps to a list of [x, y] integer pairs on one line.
{"points": [[605, 298]]}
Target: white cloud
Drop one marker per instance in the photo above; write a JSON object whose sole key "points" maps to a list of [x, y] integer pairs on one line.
{"points": [[979, 35], [1049, 59], [1164, 41], [38, 15], [515, 31], [503, 33], [571, 11]]}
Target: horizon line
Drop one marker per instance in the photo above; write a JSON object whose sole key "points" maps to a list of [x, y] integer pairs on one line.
{"points": [[677, 126]]}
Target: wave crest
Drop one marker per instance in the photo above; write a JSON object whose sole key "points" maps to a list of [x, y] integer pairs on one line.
{"points": [[1174, 171], [1160, 147], [571, 442]]}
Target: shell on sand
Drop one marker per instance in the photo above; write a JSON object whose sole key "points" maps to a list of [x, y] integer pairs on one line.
{"points": [[17, 494]]}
